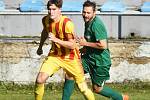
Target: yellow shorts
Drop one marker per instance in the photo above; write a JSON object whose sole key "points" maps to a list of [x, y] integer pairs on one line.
{"points": [[72, 67]]}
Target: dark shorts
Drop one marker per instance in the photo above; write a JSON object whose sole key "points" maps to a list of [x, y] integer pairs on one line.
{"points": [[99, 73]]}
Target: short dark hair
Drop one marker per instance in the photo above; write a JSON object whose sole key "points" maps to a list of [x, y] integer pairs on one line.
{"points": [[90, 4], [58, 3]]}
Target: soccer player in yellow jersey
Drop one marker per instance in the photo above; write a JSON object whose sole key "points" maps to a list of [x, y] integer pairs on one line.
{"points": [[63, 54]]}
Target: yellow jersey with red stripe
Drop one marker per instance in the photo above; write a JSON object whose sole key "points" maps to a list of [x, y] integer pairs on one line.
{"points": [[64, 30]]}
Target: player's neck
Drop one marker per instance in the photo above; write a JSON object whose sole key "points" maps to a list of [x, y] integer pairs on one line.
{"points": [[57, 19]]}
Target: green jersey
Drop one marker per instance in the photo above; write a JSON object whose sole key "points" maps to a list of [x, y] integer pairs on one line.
{"points": [[95, 31]]}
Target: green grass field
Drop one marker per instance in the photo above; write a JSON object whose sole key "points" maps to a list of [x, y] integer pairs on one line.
{"points": [[136, 91]]}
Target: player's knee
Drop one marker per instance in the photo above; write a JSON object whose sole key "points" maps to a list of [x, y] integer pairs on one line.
{"points": [[97, 88], [68, 77], [41, 78]]}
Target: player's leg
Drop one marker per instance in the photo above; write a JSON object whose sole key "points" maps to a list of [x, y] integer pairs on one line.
{"points": [[69, 83], [107, 92], [100, 75], [85, 64], [88, 94], [49, 66], [68, 87], [39, 85], [75, 68]]}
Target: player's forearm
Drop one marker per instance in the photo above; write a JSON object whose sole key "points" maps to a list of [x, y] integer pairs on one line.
{"points": [[96, 45], [44, 36], [68, 44]]}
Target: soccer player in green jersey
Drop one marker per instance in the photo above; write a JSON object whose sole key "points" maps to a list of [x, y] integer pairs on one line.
{"points": [[95, 55]]}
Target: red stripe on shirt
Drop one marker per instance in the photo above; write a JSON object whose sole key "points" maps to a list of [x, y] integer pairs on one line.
{"points": [[63, 50], [72, 53]]}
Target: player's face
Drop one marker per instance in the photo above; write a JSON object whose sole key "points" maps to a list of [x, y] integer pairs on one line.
{"points": [[88, 14], [54, 12]]}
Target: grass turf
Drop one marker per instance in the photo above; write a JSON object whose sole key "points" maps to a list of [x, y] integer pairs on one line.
{"points": [[136, 91]]}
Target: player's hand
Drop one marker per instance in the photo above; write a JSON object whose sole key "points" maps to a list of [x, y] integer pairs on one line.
{"points": [[77, 39], [39, 51], [52, 37], [82, 41]]}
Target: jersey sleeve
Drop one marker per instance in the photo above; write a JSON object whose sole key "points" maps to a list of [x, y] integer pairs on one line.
{"points": [[100, 31], [69, 27]]}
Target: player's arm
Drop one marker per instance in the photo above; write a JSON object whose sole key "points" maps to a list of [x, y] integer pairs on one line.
{"points": [[44, 36], [70, 43], [101, 44], [69, 33], [100, 35]]}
